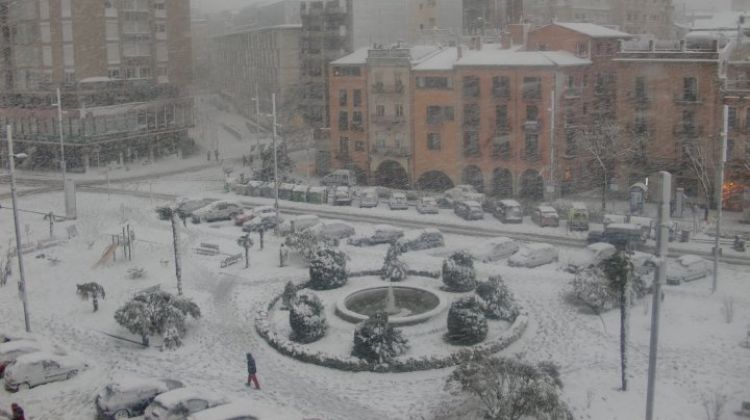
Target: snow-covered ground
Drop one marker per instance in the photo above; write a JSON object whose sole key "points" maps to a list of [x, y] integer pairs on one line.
{"points": [[699, 352]]}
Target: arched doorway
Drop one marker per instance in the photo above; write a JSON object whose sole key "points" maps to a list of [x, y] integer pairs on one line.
{"points": [[391, 174], [434, 181], [472, 175], [532, 185], [502, 183]]}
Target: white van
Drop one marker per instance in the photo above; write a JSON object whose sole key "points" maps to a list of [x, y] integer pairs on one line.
{"points": [[534, 255], [298, 223]]}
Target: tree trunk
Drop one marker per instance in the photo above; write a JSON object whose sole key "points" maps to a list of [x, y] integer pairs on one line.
{"points": [[144, 340], [247, 257], [604, 193], [95, 300], [624, 327], [177, 267]]}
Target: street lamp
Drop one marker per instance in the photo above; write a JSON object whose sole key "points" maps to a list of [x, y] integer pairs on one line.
{"points": [[22, 282]]}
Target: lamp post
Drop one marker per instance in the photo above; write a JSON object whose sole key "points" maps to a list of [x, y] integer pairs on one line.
{"points": [[22, 282], [275, 165]]}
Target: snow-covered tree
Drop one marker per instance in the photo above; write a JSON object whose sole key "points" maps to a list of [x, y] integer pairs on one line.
{"points": [[376, 341], [307, 318], [246, 242], [394, 269], [284, 163], [157, 313], [458, 272], [305, 243], [92, 291], [592, 289], [328, 269], [509, 389], [289, 295], [497, 299], [5, 265], [467, 323], [618, 270]]}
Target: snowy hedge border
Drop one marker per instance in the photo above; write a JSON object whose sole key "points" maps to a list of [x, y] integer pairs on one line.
{"points": [[289, 348]]}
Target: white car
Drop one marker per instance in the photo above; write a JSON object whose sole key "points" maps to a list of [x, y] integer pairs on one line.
{"points": [[239, 410], [129, 397], [298, 223], [427, 205], [686, 268], [333, 230], [40, 368], [12, 350], [383, 234], [368, 198], [463, 193], [590, 256], [494, 249], [179, 403], [398, 202], [417, 240], [219, 210], [534, 255]]}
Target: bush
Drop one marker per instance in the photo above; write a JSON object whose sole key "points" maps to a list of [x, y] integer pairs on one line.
{"points": [[376, 341], [393, 268], [307, 318], [328, 269], [466, 321], [136, 273], [497, 299], [458, 272], [592, 289], [305, 243], [289, 295]]}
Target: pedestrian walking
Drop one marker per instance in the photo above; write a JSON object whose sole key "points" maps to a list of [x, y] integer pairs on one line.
{"points": [[283, 253], [17, 412], [251, 371]]}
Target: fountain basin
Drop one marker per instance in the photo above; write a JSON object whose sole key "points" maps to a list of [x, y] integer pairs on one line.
{"points": [[414, 304]]}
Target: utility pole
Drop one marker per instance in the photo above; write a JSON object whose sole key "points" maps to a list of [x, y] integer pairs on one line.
{"points": [[63, 164], [720, 197], [22, 280], [257, 115], [275, 166], [660, 277], [553, 111]]}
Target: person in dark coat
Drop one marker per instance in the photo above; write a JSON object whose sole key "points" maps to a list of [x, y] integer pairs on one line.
{"points": [[251, 371], [17, 412]]}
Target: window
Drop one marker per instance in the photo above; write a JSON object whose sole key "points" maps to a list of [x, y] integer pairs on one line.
{"points": [[113, 53], [640, 127], [67, 31], [501, 146], [434, 114], [113, 30], [471, 116], [380, 110], [571, 81], [640, 87], [532, 113], [501, 117], [471, 144], [380, 139], [431, 82], [45, 33], [344, 146], [347, 71], [47, 56], [471, 87], [581, 49], [501, 87], [399, 110], [732, 117], [342, 97], [359, 146], [68, 58], [343, 121], [357, 98], [571, 148], [690, 89], [44, 9], [532, 88], [65, 7], [161, 51], [113, 73], [356, 120], [433, 141], [531, 143]]}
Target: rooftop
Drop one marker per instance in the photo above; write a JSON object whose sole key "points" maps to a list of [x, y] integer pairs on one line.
{"points": [[593, 30]]}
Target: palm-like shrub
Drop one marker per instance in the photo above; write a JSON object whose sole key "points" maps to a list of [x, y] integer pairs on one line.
{"points": [[376, 341], [307, 318], [92, 291], [458, 272], [497, 299], [328, 269], [467, 323]]}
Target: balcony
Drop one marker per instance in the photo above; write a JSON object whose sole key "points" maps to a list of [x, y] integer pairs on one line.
{"points": [[639, 99], [502, 129], [532, 126], [686, 99], [737, 86], [687, 130], [387, 119], [380, 88], [394, 152], [572, 93]]}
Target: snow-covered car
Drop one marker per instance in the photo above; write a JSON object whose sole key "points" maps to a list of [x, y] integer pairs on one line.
{"points": [[219, 210], [179, 403], [463, 193], [383, 234], [398, 201], [545, 216], [494, 249], [342, 196], [417, 240], [508, 211], [592, 255], [427, 205], [368, 198], [263, 222], [39, 368], [238, 410], [469, 210], [12, 350], [643, 263], [187, 206], [248, 215], [331, 230], [129, 397], [534, 255], [686, 268], [298, 223]]}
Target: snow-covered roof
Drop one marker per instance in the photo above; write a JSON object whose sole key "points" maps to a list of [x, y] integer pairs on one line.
{"points": [[547, 209], [358, 57], [417, 54], [44, 355], [717, 21], [509, 202], [593, 30], [491, 55], [690, 259], [600, 246]]}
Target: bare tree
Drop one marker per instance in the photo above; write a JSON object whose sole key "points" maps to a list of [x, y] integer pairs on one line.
{"points": [[602, 147], [701, 163], [619, 269]]}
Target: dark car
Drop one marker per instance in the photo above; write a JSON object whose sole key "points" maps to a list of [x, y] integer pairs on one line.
{"points": [[508, 211], [468, 210], [623, 236], [129, 398]]}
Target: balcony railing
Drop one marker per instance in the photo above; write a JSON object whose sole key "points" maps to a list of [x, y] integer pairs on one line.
{"points": [[687, 99], [394, 89], [737, 85], [390, 151], [687, 130], [572, 93], [387, 119], [532, 126]]}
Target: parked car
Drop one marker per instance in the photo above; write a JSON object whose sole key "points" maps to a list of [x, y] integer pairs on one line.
{"points": [[333, 230], [298, 223], [179, 403], [368, 198], [239, 410], [427, 205], [469, 210], [342, 196], [340, 177], [398, 201], [130, 397], [187, 206], [11, 350], [578, 217], [39, 368], [545, 216], [592, 255], [248, 215], [509, 211], [219, 210], [463, 193], [534, 255], [417, 240], [610, 219], [686, 268], [264, 222], [622, 235], [494, 249], [383, 234]]}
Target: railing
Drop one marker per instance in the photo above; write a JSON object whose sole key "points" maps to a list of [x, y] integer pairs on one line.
{"points": [[387, 119], [532, 126], [737, 85], [572, 93], [531, 156], [390, 151], [687, 99]]}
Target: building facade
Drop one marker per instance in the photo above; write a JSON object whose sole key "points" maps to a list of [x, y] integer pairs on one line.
{"points": [[124, 68]]}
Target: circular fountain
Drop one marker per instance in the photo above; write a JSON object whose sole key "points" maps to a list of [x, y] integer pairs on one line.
{"points": [[405, 305]]}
